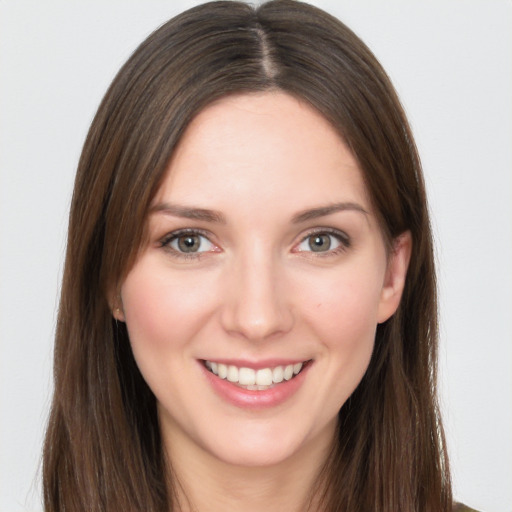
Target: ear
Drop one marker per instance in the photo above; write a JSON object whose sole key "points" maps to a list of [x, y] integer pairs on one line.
{"points": [[116, 306], [396, 272]]}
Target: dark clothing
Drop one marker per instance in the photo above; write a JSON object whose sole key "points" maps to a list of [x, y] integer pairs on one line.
{"points": [[459, 507]]}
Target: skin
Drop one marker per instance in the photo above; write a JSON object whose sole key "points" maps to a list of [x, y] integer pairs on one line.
{"points": [[256, 290]]}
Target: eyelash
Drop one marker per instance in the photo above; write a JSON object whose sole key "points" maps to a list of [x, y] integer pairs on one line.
{"points": [[340, 236], [165, 242]]}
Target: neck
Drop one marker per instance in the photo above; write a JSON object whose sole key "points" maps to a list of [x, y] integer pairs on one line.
{"points": [[203, 483]]}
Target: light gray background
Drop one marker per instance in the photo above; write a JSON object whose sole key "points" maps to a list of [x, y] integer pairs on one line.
{"points": [[451, 62]]}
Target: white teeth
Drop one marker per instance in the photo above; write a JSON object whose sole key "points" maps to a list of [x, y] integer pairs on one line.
{"points": [[223, 370], [257, 388], [254, 379], [232, 373], [247, 377], [278, 374], [264, 377]]}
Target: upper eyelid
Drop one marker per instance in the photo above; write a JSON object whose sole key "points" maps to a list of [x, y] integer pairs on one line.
{"points": [[327, 231], [167, 240], [172, 235], [185, 231], [343, 239]]}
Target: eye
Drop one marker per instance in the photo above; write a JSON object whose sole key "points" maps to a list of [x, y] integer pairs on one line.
{"points": [[323, 242], [188, 242]]}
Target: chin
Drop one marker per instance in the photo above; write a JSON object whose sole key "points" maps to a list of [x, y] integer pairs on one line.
{"points": [[269, 445], [258, 453]]}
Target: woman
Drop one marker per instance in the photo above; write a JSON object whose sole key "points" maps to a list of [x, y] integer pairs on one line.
{"points": [[248, 310]]}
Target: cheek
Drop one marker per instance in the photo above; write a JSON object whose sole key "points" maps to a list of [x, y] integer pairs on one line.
{"points": [[158, 306], [344, 301], [342, 312], [162, 314], [347, 326]]}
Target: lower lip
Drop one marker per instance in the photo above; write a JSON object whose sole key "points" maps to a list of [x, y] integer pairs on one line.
{"points": [[252, 399]]}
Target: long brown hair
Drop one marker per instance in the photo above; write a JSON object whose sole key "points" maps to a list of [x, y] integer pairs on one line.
{"points": [[103, 450]]}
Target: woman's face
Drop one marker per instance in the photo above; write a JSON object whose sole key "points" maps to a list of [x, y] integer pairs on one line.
{"points": [[252, 310]]}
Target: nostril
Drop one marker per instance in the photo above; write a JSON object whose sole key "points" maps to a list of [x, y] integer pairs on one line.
{"points": [[257, 323]]}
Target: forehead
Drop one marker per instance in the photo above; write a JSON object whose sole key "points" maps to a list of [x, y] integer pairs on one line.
{"points": [[266, 149]]}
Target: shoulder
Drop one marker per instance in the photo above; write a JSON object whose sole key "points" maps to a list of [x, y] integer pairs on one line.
{"points": [[459, 507]]}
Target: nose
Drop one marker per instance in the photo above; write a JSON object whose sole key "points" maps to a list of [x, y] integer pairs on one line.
{"points": [[256, 305]]}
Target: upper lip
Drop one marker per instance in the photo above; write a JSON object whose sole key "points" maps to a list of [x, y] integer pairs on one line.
{"points": [[256, 365]]}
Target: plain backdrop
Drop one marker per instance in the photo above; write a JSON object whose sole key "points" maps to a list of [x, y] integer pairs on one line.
{"points": [[451, 62]]}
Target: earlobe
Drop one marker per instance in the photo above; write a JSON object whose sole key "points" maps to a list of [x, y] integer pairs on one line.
{"points": [[116, 306], [118, 314], [396, 274]]}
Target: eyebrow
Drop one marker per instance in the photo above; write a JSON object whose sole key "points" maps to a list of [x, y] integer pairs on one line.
{"points": [[189, 212], [323, 211], [204, 214]]}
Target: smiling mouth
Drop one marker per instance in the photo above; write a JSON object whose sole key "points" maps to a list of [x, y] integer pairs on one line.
{"points": [[255, 380]]}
